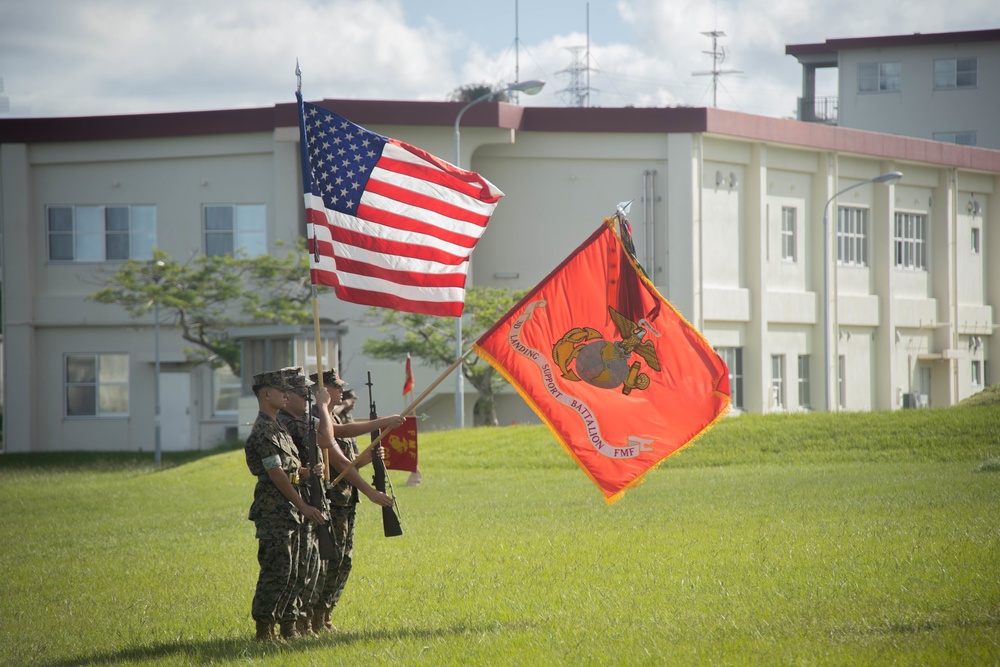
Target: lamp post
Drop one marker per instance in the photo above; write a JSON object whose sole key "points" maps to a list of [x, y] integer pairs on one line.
{"points": [[889, 178], [157, 446], [532, 87]]}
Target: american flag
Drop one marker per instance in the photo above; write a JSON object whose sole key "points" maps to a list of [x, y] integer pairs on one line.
{"points": [[389, 225]]}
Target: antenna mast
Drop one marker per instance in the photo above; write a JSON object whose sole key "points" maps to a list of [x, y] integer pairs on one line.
{"points": [[718, 54]]}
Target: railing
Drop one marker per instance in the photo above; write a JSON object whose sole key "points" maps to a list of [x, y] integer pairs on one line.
{"points": [[818, 110]]}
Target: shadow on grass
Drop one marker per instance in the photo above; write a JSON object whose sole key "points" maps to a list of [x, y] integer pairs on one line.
{"points": [[107, 461], [209, 651]]}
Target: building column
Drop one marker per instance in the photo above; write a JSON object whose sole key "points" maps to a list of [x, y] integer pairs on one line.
{"points": [[19, 332]]}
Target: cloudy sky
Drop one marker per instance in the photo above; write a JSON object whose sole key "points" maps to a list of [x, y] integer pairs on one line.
{"points": [[100, 57]]}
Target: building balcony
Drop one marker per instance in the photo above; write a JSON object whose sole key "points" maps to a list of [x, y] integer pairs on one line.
{"points": [[818, 110]]}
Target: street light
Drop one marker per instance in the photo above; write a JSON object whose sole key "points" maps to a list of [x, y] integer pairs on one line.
{"points": [[889, 178], [532, 87], [156, 389]]}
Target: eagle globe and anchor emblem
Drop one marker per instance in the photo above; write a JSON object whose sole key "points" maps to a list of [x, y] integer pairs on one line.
{"points": [[583, 354]]}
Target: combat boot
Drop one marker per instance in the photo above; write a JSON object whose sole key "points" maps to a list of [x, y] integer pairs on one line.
{"points": [[318, 625], [265, 632], [288, 630], [302, 628], [327, 622]]}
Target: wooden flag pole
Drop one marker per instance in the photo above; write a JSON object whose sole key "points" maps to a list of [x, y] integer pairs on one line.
{"points": [[319, 375], [410, 408]]}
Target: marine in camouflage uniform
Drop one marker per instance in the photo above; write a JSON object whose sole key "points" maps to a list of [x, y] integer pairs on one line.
{"points": [[343, 498], [294, 419], [277, 510], [343, 511]]}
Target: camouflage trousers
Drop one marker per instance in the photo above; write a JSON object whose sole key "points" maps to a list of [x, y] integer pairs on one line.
{"points": [[305, 575], [277, 550], [338, 569]]}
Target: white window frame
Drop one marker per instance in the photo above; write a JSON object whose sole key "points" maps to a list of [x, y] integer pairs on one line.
{"points": [[246, 230], [789, 234], [104, 384], [733, 356], [852, 236], [976, 241], [909, 241], [225, 385], [92, 231], [805, 399], [778, 381], [956, 73], [880, 77]]}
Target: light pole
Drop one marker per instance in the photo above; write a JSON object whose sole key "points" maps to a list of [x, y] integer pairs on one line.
{"points": [[157, 448], [528, 88], [889, 178]]}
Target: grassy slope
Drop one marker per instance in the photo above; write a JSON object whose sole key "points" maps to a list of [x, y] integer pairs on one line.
{"points": [[813, 539]]}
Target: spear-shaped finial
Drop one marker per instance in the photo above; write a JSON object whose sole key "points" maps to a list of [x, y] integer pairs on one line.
{"points": [[298, 78]]}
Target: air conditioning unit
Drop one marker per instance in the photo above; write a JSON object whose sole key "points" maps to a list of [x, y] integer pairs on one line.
{"points": [[909, 401]]}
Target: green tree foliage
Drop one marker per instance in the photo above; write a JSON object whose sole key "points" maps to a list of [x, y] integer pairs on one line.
{"points": [[473, 91], [432, 340], [207, 296]]}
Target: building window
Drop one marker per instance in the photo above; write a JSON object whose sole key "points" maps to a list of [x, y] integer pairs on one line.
{"points": [[733, 356], [852, 236], [96, 385], [778, 381], [788, 233], [956, 73], [975, 240], [910, 241], [960, 138], [879, 77], [977, 372], [804, 400], [225, 392], [842, 381], [101, 233], [235, 228], [262, 354]]}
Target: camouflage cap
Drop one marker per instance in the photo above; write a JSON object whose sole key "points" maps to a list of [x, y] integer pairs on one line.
{"points": [[349, 393], [296, 378], [330, 379], [274, 379]]}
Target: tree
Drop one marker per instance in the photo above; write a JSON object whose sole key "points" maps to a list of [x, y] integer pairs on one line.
{"points": [[473, 91], [432, 340], [206, 296]]}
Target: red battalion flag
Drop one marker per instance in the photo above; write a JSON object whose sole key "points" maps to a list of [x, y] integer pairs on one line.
{"points": [[388, 224], [400, 446], [408, 382], [619, 376]]}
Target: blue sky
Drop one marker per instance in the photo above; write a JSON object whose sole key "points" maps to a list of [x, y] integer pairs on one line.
{"points": [[71, 58]]}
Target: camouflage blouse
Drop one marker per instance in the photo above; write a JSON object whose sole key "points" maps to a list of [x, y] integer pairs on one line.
{"points": [[269, 446], [344, 494]]}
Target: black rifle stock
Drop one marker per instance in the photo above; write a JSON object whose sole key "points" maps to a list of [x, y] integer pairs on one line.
{"points": [[317, 494], [390, 520]]}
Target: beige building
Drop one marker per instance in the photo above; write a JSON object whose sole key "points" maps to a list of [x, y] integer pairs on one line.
{"points": [[728, 217], [941, 86]]}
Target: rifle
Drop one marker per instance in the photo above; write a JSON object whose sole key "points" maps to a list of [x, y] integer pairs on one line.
{"points": [[390, 520], [317, 494]]}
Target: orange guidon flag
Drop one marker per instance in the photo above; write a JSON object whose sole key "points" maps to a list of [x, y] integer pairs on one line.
{"points": [[617, 374]]}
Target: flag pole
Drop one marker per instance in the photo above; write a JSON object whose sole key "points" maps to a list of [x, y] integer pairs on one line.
{"points": [[410, 408], [315, 295]]}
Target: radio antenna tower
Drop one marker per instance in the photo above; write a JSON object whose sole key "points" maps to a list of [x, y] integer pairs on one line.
{"points": [[578, 90], [718, 54]]}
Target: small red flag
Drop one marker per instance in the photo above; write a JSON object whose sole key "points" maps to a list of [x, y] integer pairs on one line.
{"points": [[618, 375], [408, 382], [401, 446]]}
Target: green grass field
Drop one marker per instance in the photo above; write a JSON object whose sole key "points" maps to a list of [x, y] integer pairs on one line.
{"points": [[859, 539]]}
